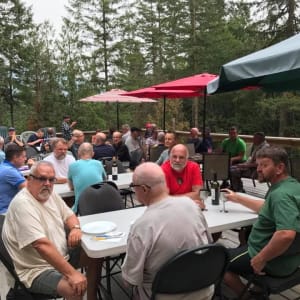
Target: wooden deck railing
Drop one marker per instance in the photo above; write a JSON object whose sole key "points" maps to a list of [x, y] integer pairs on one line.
{"points": [[290, 143]]}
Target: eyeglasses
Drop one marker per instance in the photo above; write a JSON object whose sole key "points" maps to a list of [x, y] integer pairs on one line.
{"points": [[44, 179], [132, 185]]}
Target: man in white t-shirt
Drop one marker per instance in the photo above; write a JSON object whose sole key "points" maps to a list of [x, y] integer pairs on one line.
{"points": [[60, 159], [35, 237], [160, 233]]}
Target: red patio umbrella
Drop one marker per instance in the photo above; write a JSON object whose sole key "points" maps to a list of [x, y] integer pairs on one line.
{"points": [[196, 82], [115, 95], [163, 93]]}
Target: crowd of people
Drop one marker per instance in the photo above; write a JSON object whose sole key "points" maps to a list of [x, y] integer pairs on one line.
{"points": [[46, 256]]}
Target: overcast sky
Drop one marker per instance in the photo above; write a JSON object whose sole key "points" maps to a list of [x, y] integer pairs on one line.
{"points": [[51, 10]]}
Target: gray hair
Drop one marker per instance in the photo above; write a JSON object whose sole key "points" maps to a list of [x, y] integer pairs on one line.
{"points": [[37, 164], [161, 136], [276, 154]]}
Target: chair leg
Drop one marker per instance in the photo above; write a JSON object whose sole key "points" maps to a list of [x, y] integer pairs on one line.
{"points": [[131, 200]]}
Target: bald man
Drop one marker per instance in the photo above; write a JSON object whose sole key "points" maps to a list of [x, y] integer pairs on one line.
{"points": [[75, 142], [194, 138], [120, 147], [183, 177], [149, 244], [101, 149], [84, 172]]}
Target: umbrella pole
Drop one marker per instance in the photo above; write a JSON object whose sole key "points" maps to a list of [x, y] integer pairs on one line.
{"points": [[164, 116], [117, 115], [204, 113]]}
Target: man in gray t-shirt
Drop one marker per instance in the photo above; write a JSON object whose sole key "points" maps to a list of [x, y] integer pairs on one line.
{"points": [[161, 232]]}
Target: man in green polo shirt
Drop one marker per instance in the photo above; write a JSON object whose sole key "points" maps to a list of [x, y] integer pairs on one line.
{"points": [[277, 224], [235, 146]]}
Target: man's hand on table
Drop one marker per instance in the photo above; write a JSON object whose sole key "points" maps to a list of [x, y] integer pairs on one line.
{"points": [[230, 195], [61, 180], [200, 203]]}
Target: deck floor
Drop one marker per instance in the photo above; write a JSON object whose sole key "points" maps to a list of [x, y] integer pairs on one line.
{"points": [[229, 239]]}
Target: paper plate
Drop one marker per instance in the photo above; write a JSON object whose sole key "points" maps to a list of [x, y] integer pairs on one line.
{"points": [[98, 227]]}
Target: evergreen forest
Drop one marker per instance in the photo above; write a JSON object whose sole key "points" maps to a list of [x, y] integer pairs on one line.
{"points": [[131, 44]]}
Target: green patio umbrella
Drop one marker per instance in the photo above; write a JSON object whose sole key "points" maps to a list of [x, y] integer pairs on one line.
{"points": [[276, 68]]}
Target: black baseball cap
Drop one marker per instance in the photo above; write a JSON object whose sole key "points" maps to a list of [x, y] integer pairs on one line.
{"points": [[132, 129]]}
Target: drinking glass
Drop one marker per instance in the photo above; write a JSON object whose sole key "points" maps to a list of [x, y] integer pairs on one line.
{"points": [[204, 194], [223, 199]]}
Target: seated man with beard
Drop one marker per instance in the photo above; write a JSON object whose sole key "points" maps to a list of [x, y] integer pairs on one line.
{"points": [[183, 177], [35, 237], [60, 159]]}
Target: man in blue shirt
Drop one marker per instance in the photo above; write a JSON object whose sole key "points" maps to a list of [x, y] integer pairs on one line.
{"points": [[11, 180]]}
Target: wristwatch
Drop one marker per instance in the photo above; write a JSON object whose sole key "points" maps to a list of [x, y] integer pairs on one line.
{"points": [[77, 226]]}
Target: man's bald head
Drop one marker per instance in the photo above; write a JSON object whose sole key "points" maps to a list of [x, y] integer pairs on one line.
{"points": [[85, 150], [150, 183], [149, 173], [100, 138], [181, 148], [194, 132]]}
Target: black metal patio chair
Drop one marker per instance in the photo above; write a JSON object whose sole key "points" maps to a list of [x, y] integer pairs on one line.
{"points": [[192, 270], [18, 291]]}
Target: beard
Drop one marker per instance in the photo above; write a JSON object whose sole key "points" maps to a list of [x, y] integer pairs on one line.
{"points": [[261, 178], [44, 194], [61, 156], [177, 167]]}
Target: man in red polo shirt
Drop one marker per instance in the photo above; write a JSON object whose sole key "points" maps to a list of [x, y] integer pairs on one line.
{"points": [[183, 177]]}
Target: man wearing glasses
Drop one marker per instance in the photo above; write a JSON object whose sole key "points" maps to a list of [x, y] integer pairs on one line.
{"points": [[34, 235], [183, 177], [161, 232]]}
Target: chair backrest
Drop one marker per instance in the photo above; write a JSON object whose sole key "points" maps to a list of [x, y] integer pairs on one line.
{"points": [[155, 152], [4, 255], [108, 163], [191, 270], [294, 167], [31, 152], [25, 135], [191, 149], [98, 198], [3, 131], [19, 291], [218, 163]]}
